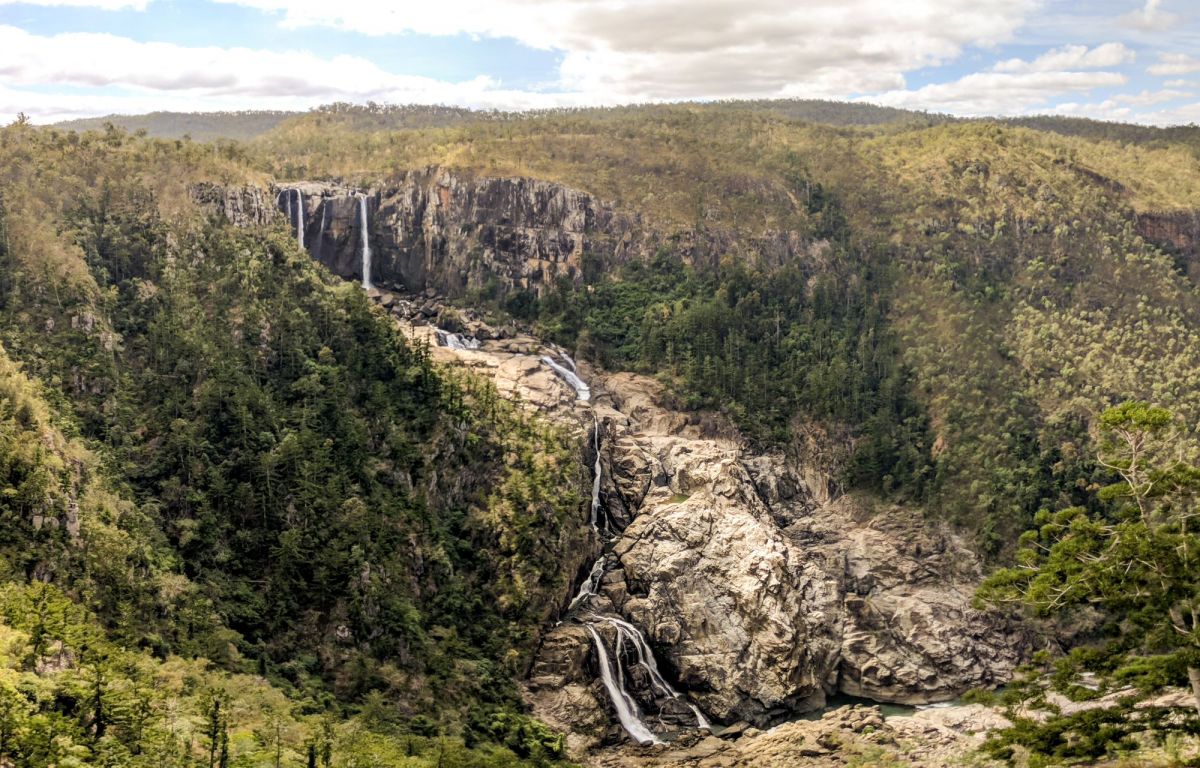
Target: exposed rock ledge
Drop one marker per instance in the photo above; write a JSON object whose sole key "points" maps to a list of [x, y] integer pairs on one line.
{"points": [[760, 589]]}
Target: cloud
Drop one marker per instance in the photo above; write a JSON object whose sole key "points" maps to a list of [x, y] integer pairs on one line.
{"points": [[1174, 64], [686, 49], [1150, 18], [117, 74], [1071, 57], [998, 93]]}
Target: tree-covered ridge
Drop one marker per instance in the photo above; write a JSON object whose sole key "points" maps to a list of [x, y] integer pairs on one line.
{"points": [[334, 514], [972, 243]]}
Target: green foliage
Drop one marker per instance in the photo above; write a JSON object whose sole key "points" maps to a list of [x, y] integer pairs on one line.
{"points": [[1134, 561], [276, 481]]}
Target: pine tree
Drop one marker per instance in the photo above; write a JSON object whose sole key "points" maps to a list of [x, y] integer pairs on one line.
{"points": [[1136, 560]]}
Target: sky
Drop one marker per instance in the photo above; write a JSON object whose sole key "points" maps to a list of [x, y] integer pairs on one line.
{"points": [[1128, 60]]}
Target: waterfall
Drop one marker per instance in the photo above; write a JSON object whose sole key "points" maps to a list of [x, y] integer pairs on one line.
{"points": [[456, 340], [591, 584], [299, 217], [596, 507], [614, 683], [366, 242], [626, 631], [324, 226], [562, 355], [566, 374]]}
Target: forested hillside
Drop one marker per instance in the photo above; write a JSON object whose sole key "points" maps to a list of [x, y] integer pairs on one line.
{"points": [[247, 517], [277, 484], [993, 274]]}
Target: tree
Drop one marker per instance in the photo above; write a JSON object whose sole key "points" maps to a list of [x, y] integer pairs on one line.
{"points": [[1136, 559]]}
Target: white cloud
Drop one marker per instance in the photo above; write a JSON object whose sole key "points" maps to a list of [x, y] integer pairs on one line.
{"points": [[1071, 57], [999, 93], [1150, 18], [134, 76], [679, 49], [1174, 64]]}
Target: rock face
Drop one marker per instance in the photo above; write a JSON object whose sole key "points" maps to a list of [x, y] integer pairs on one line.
{"points": [[459, 233], [1177, 232], [760, 589], [763, 596], [246, 206]]}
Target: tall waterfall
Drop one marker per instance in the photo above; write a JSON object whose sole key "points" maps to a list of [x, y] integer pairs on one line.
{"points": [[597, 509], [299, 217], [582, 391], [614, 682], [324, 226], [366, 242]]}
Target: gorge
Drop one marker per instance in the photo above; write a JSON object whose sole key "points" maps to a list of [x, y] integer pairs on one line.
{"points": [[762, 587], [678, 435]]}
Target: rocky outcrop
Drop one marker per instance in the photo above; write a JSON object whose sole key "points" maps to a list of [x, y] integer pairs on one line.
{"points": [[855, 735], [1177, 232], [242, 206], [761, 589], [764, 596]]}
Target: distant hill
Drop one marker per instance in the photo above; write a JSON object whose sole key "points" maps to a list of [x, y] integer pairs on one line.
{"points": [[1101, 130], [200, 126], [244, 126]]}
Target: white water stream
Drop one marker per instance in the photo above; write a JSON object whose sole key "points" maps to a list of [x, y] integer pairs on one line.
{"points": [[366, 242], [614, 681], [582, 391], [456, 340]]}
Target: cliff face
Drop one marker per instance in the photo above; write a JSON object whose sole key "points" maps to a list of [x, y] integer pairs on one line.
{"points": [[462, 234], [1177, 232]]}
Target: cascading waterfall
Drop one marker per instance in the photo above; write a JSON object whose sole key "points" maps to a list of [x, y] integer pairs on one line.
{"points": [[612, 667], [456, 340], [614, 682], [299, 217], [591, 585], [597, 508], [562, 355], [582, 391], [366, 242], [630, 633]]}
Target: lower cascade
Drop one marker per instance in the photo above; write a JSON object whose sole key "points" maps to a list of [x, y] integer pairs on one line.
{"points": [[630, 649], [612, 674]]}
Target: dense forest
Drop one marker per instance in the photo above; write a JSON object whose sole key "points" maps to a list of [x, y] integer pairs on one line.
{"points": [[218, 454], [247, 521]]}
